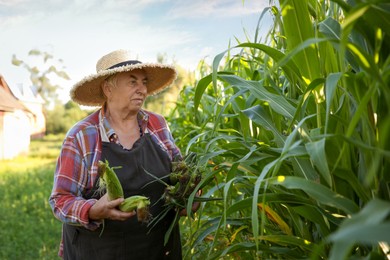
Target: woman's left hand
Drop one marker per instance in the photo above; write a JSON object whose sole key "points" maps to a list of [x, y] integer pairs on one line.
{"points": [[195, 206]]}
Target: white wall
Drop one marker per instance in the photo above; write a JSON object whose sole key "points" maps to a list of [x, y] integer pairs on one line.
{"points": [[15, 139]]}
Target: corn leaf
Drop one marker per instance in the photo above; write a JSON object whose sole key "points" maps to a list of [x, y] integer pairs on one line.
{"points": [[318, 192], [298, 28], [277, 102], [316, 151], [369, 226], [260, 117]]}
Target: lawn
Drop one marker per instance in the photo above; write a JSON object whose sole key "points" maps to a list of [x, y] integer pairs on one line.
{"points": [[28, 227]]}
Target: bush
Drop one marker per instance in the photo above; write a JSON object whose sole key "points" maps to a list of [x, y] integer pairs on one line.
{"points": [[62, 117]]}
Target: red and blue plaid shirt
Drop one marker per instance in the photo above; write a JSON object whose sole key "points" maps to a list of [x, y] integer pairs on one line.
{"points": [[77, 165]]}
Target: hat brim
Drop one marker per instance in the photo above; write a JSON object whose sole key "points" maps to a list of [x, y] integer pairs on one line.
{"points": [[88, 91]]}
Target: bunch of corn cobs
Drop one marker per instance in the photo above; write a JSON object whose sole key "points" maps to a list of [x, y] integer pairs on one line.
{"points": [[184, 178]]}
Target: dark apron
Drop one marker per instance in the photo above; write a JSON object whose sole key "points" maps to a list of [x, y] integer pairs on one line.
{"points": [[129, 239]]}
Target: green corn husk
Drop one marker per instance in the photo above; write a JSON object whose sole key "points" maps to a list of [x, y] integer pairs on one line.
{"points": [[110, 181], [138, 203]]}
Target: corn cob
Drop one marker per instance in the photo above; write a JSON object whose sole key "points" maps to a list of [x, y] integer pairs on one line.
{"points": [[110, 181], [139, 203]]}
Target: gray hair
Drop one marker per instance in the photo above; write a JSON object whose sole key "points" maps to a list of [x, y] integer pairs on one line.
{"points": [[111, 80]]}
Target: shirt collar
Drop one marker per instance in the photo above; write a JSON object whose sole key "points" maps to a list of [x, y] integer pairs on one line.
{"points": [[142, 117]]}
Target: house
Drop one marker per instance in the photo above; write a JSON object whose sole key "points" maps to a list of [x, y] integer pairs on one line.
{"points": [[20, 120], [34, 103]]}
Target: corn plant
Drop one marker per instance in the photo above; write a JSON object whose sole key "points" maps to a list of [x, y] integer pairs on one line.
{"points": [[294, 132]]}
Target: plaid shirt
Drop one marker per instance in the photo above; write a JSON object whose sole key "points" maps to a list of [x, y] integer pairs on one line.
{"points": [[77, 165]]}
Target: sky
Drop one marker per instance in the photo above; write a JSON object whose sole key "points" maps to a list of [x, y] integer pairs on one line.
{"points": [[79, 32]]}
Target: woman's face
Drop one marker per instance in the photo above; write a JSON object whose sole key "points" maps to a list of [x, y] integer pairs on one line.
{"points": [[130, 91]]}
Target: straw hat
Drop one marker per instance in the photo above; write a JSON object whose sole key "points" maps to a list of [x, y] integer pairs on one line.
{"points": [[88, 91]]}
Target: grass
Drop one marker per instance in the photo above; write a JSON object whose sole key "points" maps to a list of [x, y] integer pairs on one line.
{"points": [[28, 227]]}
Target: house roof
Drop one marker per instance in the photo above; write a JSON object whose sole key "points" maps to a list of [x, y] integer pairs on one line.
{"points": [[8, 102], [26, 94]]}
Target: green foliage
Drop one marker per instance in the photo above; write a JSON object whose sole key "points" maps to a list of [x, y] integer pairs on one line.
{"points": [[62, 117], [295, 136]]}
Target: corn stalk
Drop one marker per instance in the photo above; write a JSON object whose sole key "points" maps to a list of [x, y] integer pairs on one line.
{"points": [[295, 134]]}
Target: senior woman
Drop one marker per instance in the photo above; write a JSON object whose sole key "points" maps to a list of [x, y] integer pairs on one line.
{"points": [[128, 136]]}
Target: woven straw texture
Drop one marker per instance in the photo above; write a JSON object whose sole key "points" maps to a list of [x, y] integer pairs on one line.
{"points": [[88, 91]]}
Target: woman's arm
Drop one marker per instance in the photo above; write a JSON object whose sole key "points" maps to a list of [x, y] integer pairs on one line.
{"points": [[71, 178]]}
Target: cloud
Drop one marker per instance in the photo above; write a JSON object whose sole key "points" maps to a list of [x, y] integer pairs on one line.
{"points": [[80, 31], [216, 8], [28, 7]]}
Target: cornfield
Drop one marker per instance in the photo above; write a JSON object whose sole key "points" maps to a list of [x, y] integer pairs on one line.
{"points": [[293, 130]]}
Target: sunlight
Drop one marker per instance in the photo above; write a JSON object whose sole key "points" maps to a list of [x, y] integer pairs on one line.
{"points": [[281, 178]]}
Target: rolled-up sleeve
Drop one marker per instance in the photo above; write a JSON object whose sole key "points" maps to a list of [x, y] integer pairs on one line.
{"points": [[71, 178]]}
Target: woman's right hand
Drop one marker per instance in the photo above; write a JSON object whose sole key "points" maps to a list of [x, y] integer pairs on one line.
{"points": [[104, 209]]}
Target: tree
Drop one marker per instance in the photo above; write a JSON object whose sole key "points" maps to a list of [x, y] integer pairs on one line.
{"points": [[62, 117], [59, 117], [41, 74]]}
